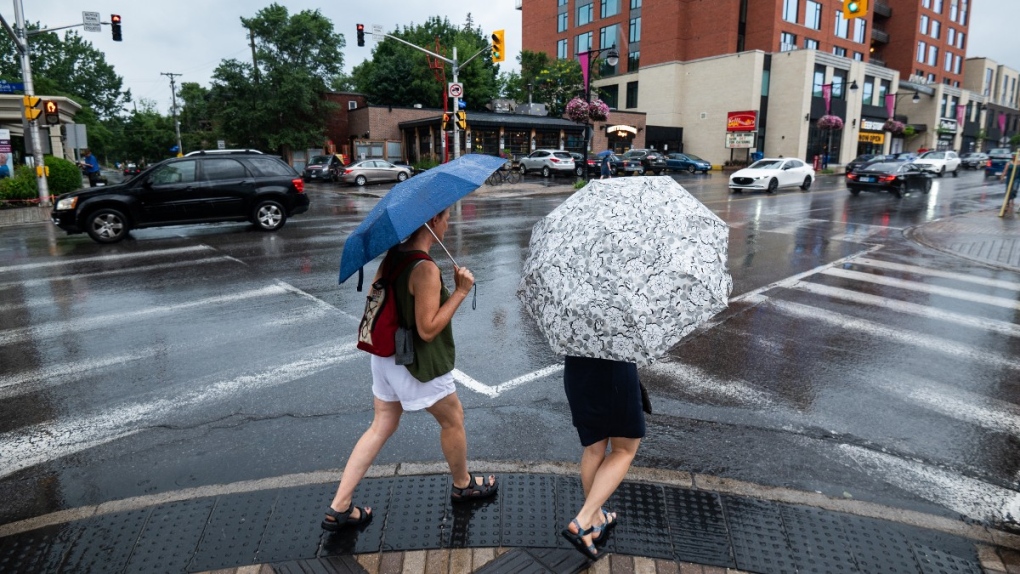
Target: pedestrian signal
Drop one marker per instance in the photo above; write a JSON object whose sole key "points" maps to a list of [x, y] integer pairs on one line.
{"points": [[446, 120], [462, 120], [361, 34], [115, 27], [855, 9], [32, 110], [498, 46], [52, 111]]}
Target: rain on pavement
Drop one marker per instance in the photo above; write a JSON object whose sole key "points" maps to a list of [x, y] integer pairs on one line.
{"points": [[851, 361]]}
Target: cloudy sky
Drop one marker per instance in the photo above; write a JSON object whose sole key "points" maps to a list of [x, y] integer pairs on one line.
{"points": [[191, 37]]}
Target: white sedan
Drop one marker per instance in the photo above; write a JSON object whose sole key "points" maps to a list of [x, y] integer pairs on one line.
{"points": [[939, 162], [771, 174]]}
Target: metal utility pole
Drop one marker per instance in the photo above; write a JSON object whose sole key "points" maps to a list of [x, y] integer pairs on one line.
{"points": [[177, 124], [21, 42]]}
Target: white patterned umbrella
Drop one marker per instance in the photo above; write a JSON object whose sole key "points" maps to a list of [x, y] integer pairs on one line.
{"points": [[625, 268]]}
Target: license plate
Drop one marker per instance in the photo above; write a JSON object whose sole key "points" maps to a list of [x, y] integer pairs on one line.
{"points": [[868, 179]]}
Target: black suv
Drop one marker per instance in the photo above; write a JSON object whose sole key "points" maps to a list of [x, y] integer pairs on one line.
{"points": [[205, 188], [651, 160]]}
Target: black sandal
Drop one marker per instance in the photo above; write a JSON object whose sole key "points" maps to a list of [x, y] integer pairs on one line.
{"points": [[602, 530], [475, 491], [577, 539], [343, 519]]}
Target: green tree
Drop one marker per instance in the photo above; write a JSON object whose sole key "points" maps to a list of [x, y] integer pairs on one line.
{"points": [[400, 75], [280, 103], [147, 135], [557, 83], [197, 128]]}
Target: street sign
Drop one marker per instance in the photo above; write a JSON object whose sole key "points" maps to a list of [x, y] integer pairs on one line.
{"points": [[10, 88], [377, 33], [456, 89], [91, 21], [740, 140], [221, 144]]}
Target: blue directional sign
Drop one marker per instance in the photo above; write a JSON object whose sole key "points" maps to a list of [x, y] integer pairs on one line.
{"points": [[9, 88]]}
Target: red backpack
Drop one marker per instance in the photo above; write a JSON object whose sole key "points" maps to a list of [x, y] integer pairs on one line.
{"points": [[379, 324]]}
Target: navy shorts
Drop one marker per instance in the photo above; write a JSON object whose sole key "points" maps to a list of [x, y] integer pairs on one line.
{"points": [[604, 397]]}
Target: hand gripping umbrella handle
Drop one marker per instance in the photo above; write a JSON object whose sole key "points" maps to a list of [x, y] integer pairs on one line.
{"points": [[474, 300]]}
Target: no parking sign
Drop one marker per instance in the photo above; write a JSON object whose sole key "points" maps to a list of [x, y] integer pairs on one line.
{"points": [[455, 89]]}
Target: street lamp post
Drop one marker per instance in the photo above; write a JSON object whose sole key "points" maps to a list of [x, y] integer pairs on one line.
{"points": [[612, 58]]}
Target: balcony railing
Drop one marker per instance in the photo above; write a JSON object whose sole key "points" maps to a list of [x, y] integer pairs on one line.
{"points": [[876, 61], [879, 36], [882, 9]]}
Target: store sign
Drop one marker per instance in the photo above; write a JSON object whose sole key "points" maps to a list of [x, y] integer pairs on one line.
{"points": [[872, 138], [742, 121], [872, 125], [622, 131], [740, 140], [947, 125]]}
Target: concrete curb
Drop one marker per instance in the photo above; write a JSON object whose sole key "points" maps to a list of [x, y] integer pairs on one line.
{"points": [[23, 215]]}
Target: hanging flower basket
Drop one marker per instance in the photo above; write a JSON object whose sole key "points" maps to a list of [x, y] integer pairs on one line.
{"points": [[577, 110], [598, 111], [830, 123], [893, 126]]}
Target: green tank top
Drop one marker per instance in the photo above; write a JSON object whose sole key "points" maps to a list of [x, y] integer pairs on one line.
{"points": [[430, 359]]}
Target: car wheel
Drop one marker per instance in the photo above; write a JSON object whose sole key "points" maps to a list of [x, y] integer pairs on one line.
{"points": [[942, 171], [360, 180], [956, 172], [854, 191], [896, 192], [639, 171], [546, 172], [692, 169], [579, 171], [402, 176], [927, 185], [107, 225], [807, 183], [773, 185], [269, 215]]}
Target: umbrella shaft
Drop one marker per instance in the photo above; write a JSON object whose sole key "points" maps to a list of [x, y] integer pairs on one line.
{"points": [[441, 245]]}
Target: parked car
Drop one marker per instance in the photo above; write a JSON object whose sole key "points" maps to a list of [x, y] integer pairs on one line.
{"points": [[593, 164], [687, 162], [903, 155], [131, 170], [258, 188], [896, 177], [973, 160], [323, 168], [939, 162], [860, 160], [772, 173], [374, 170], [651, 160], [997, 160], [549, 162], [620, 166]]}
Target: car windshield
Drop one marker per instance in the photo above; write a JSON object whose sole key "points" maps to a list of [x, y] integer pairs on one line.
{"points": [[320, 159], [766, 164], [934, 155], [563, 155], [693, 157]]}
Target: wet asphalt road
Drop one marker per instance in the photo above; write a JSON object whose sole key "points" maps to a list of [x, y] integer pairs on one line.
{"points": [[851, 361]]}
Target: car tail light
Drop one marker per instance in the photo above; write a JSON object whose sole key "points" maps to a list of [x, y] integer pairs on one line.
{"points": [[299, 184], [853, 176], [989, 164], [347, 171], [887, 178], [554, 160]]}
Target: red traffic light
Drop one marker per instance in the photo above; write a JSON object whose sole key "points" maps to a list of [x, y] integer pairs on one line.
{"points": [[115, 27], [115, 18], [361, 34]]}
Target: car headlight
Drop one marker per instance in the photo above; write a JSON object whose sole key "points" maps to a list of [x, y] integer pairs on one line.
{"points": [[67, 203]]}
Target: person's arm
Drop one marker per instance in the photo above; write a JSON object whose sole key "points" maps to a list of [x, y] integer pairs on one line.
{"points": [[426, 285]]}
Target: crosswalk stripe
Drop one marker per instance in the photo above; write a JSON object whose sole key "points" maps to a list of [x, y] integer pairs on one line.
{"points": [[923, 288], [696, 380], [937, 344], [999, 283], [124, 271], [59, 262], [966, 406], [523, 379], [1001, 327]]}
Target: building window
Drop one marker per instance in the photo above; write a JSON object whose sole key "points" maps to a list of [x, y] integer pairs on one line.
{"points": [[810, 44], [582, 43], [561, 2], [842, 25], [561, 49], [956, 64], [952, 11], [839, 84], [635, 29], [611, 95], [926, 3], [921, 48], [608, 36], [813, 15], [632, 94], [869, 91], [963, 16], [819, 80], [936, 29], [787, 42], [635, 4], [931, 78], [988, 82], [949, 62], [952, 36], [562, 22], [633, 61], [790, 9], [959, 40], [841, 52], [938, 7], [924, 25], [860, 30], [610, 8], [584, 14], [933, 55], [858, 56], [883, 90], [766, 81]]}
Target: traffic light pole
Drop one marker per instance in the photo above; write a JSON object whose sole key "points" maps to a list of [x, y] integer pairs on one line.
{"points": [[21, 41]]}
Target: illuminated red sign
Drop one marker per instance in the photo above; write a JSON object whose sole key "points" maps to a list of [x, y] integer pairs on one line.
{"points": [[742, 121]]}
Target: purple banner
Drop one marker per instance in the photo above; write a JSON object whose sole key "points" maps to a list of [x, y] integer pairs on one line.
{"points": [[890, 104], [1002, 124], [960, 110], [827, 94], [583, 59]]}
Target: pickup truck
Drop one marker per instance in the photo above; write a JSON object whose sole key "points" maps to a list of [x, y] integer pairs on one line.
{"points": [[997, 160]]}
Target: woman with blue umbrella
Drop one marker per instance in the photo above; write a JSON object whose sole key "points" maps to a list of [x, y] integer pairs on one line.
{"points": [[426, 307]]}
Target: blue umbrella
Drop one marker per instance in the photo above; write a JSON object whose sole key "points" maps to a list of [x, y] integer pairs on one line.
{"points": [[409, 205], [603, 153]]}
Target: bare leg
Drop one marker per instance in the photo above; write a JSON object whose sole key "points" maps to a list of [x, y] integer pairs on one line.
{"points": [[449, 413], [591, 460], [608, 477], [384, 424]]}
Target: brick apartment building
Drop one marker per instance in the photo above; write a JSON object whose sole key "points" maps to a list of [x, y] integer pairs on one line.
{"points": [[688, 63]]}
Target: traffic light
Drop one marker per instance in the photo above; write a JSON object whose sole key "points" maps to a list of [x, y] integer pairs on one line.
{"points": [[115, 27], [462, 120], [498, 47], [855, 9], [361, 34], [32, 110], [52, 112], [446, 120]]}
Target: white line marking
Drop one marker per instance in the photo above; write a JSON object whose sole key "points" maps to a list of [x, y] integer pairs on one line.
{"points": [[126, 270], [787, 282], [966, 406], [90, 323], [1001, 327], [923, 288], [1012, 286], [36, 379], [705, 384], [104, 258], [44, 442], [937, 344], [524, 379], [318, 302], [474, 385]]}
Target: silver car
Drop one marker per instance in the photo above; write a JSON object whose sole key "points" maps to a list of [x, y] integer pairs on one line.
{"points": [[549, 162], [371, 170]]}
